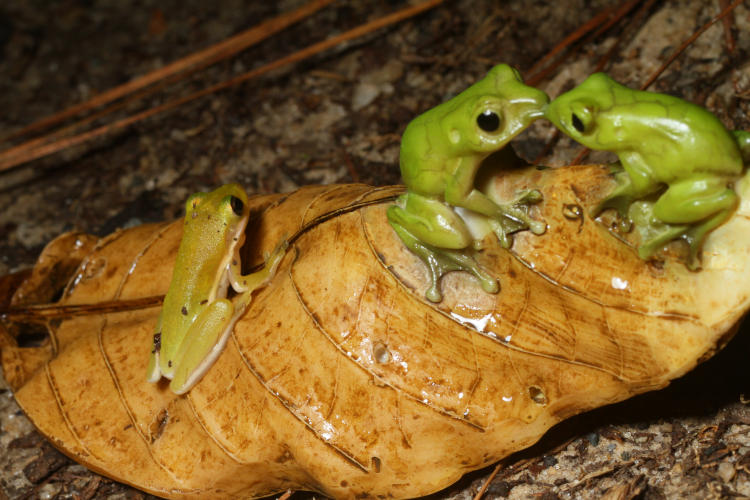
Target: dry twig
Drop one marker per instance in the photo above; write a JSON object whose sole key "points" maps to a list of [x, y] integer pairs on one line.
{"points": [[197, 60], [22, 154]]}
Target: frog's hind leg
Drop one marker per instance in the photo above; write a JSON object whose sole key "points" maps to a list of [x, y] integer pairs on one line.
{"points": [[702, 203], [633, 183], [514, 217], [654, 233], [695, 235], [210, 331], [203, 343], [440, 261]]}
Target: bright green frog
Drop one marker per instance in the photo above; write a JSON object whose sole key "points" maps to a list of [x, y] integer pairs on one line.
{"points": [[197, 317], [675, 153], [441, 152]]}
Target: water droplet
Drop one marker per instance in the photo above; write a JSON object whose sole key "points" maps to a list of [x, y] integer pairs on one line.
{"points": [[380, 352], [537, 395], [479, 324], [619, 283], [94, 268], [572, 211]]}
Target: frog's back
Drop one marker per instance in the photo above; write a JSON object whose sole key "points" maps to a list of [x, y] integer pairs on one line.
{"points": [[682, 137]]}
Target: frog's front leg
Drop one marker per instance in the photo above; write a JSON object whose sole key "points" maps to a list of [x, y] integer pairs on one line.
{"points": [[436, 234], [246, 284], [508, 218], [634, 182], [702, 202], [743, 141]]}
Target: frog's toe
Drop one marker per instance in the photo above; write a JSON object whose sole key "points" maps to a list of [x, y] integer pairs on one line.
{"points": [[694, 262], [440, 261], [537, 227], [529, 197], [503, 235], [514, 217], [654, 234], [696, 235], [619, 203], [489, 284], [433, 293]]}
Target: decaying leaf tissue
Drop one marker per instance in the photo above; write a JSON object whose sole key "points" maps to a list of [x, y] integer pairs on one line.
{"points": [[400, 337]]}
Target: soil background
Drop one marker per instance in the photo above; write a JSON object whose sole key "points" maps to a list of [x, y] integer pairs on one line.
{"points": [[334, 118]]}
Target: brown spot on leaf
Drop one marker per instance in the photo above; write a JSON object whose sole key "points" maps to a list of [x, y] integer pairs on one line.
{"points": [[158, 424]]}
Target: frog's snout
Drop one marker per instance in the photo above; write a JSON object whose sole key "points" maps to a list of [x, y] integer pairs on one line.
{"points": [[552, 113], [535, 106]]}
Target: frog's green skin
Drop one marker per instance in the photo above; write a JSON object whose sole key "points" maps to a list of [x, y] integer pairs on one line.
{"points": [[197, 318], [441, 151], [662, 142], [743, 141]]}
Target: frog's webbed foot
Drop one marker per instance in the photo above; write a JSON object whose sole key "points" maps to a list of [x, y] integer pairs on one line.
{"points": [[696, 234], [440, 261], [514, 216], [699, 204], [654, 234], [620, 199]]}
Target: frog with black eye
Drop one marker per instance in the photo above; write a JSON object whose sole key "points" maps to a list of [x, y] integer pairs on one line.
{"points": [[441, 153], [198, 315], [678, 160]]}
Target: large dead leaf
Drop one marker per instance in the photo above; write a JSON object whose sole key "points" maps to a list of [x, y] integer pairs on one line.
{"points": [[342, 378]]}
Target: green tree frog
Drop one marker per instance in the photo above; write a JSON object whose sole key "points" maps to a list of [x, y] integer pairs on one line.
{"points": [[441, 152], [197, 317], [678, 159]]}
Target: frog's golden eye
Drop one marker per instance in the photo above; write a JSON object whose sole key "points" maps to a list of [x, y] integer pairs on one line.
{"points": [[489, 121], [237, 205]]}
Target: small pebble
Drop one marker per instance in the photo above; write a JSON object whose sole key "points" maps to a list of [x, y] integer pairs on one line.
{"points": [[364, 94], [549, 461], [593, 438], [49, 491], [725, 471]]}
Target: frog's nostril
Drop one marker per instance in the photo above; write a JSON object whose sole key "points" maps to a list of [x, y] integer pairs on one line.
{"points": [[577, 123]]}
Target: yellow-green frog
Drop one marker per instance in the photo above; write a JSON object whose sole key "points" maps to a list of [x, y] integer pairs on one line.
{"points": [[197, 317], [441, 152], [677, 157]]}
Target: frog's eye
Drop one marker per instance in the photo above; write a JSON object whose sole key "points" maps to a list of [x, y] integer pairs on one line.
{"points": [[489, 121], [237, 205], [577, 123], [583, 117]]}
